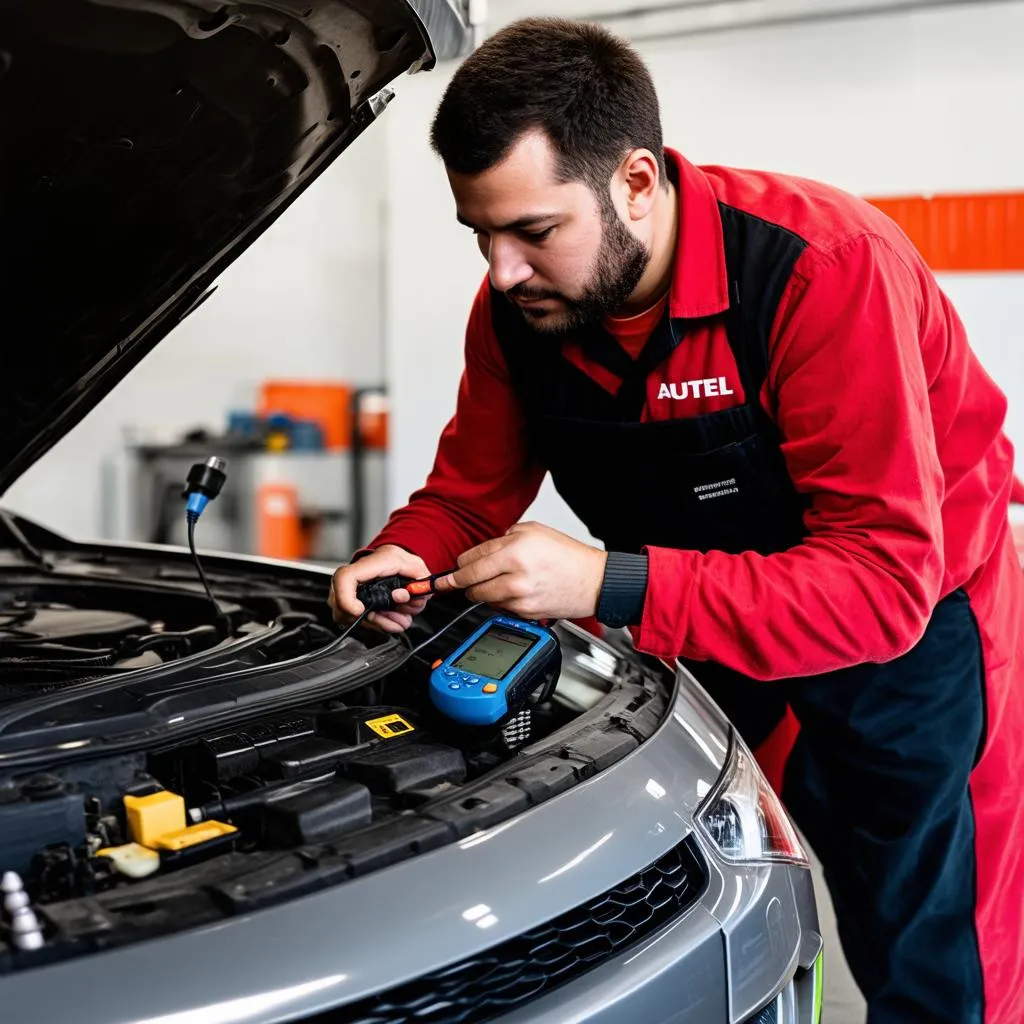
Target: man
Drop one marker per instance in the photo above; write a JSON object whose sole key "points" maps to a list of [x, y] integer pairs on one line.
{"points": [[753, 392]]}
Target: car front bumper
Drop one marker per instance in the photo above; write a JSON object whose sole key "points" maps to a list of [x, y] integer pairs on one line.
{"points": [[713, 965]]}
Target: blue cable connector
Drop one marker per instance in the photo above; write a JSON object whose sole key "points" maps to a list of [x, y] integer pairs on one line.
{"points": [[196, 503], [204, 482]]}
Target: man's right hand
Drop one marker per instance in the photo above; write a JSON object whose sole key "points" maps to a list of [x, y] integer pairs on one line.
{"points": [[389, 560]]}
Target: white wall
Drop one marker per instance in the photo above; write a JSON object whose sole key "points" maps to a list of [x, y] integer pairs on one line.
{"points": [[901, 103], [305, 301]]}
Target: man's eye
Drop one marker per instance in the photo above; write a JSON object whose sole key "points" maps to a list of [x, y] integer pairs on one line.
{"points": [[538, 236]]}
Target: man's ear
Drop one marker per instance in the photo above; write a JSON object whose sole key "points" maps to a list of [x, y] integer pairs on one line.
{"points": [[638, 178]]}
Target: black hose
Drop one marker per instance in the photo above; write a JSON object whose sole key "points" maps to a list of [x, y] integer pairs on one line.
{"points": [[224, 621]]}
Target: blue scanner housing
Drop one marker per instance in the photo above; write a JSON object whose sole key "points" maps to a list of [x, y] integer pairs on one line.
{"points": [[500, 664]]}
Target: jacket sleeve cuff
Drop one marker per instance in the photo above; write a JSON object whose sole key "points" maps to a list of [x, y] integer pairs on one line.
{"points": [[623, 590]]}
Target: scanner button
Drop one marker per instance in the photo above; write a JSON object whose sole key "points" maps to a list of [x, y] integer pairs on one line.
{"points": [[450, 673], [471, 680], [455, 686], [437, 664], [490, 687]]}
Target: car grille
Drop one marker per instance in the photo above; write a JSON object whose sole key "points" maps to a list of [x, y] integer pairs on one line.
{"points": [[769, 1015], [532, 964]]}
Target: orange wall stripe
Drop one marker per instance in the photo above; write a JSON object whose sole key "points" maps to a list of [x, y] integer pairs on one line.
{"points": [[963, 232]]}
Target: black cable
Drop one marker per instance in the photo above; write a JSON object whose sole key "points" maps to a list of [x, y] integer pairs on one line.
{"points": [[362, 616], [221, 616], [444, 629], [430, 639]]}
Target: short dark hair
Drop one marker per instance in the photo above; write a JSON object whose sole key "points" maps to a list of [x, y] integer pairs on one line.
{"points": [[586, 89]]}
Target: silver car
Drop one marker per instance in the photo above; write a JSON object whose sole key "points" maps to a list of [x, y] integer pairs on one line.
{"points": [[216, 808]]}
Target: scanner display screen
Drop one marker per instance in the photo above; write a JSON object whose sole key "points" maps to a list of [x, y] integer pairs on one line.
{"points": [[495, 654]]}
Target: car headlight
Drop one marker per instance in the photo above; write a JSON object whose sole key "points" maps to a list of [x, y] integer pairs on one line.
{"points": [[744, 818]]}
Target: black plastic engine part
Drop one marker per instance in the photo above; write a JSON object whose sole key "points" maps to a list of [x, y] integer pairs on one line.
{"points": [[407, 767], [546, 778], [316, 815], [602, 747], [482, 808], [286, 729], [264, 734], [219, 759], [290, 876], [394, 842], [46, 815], [311, 756], [244, 807], [65, 872], [350, 725], [226, 757]]}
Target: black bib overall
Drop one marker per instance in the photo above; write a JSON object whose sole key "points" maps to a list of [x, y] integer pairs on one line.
{"points": [[878, 779]]}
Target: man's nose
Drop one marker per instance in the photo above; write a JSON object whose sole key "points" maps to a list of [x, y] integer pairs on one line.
{"points": [[507, 265]]}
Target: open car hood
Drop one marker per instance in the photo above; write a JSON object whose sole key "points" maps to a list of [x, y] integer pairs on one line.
{"points": [[144, 144]]}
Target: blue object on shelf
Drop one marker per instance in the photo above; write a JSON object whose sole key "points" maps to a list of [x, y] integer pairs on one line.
{"points": [[306, 436], [242, 423]]}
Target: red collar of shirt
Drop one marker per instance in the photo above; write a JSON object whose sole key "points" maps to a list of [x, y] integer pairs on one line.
{"points": [[700, 282], [632, 332]]}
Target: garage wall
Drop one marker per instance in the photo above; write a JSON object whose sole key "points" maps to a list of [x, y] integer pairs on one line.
{"points": [[900, 103], [305, 301]]}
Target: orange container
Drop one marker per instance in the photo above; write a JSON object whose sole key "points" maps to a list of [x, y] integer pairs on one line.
{"points": [[327, 404], [373, 422], [279, 532]]}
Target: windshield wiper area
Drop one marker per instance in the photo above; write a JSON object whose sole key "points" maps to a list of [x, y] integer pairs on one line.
{"points": [[178, 699]]}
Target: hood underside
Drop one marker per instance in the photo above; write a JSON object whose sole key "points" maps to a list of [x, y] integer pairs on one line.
{"points": [[143, 145]]}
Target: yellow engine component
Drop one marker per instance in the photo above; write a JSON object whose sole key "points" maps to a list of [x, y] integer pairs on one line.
{"points": [[193, 835], [153, 816]]}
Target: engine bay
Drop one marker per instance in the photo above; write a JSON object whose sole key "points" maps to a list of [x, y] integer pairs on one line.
{"points": [[102, 848], [55, 636]]}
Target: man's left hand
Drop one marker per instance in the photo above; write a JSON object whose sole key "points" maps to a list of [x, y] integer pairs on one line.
{"points": [[534, 572]]}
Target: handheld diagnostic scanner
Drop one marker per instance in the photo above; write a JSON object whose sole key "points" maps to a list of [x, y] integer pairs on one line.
{"points": [[496, 670]]}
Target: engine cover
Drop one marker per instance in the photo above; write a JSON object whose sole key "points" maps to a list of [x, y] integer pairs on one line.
{"points": [[22, 621]]}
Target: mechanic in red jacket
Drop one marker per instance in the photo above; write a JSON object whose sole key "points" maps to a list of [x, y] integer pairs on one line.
{"points": [[752, 391]]}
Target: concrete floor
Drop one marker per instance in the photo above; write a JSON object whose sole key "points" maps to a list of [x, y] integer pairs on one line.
{"points": [[843, 1003]]}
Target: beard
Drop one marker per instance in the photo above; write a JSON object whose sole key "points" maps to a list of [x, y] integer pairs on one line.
{"points": [[620, 263]]}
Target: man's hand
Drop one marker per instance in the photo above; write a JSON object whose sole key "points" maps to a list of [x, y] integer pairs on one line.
{"points": [[388, 560], [534, 572]]}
